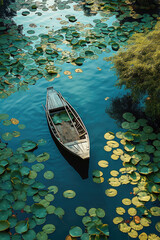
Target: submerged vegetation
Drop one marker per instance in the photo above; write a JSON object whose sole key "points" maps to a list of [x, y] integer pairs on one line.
{"points": [[138, 68]]}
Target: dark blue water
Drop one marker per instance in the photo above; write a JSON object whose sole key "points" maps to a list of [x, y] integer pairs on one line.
{"points": [[86, 92]]}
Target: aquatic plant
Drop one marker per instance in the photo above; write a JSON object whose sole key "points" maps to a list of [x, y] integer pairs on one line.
{"points": [[139, 152], [138, 68], [25, 202]]}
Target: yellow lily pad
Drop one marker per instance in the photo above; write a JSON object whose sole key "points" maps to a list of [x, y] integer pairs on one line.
{"points": [[103, 163], [120, 210], [111, 192]]}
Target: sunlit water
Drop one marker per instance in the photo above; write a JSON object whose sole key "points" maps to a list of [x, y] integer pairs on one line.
{"points": [[86, 92]]}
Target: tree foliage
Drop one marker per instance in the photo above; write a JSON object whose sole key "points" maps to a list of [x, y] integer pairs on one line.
{"points": [[138, 68]]}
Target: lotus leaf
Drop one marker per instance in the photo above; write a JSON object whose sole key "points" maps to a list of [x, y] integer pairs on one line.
{"points": [[133, 233], [145, 221], [50, 209], [118, 220], [97, 173], [32, 175], [59, 212], [38, 210], [29, 235], [157, 226], [120, 135], [75, 231], [4, 225], [29, 145], [81, 211], [7, 136], [126, 201], [114, 173], [85, 236], [107, 148], [53, 189], [103, 163], [49, 228], [49, 197], [148, 129], [38, 167], [118, 151], [123, 227], [42, 236], [92, 212], [48, 175], [153, 236], [69, 194], [109, 136], [125, 157], [129, 136], [143, 236], [120, 210], [104, 229], [155, 211], [129, 147], [100, 212], [136, 226], [132, 211], [43, 157], [4, 116], [22, 227]]}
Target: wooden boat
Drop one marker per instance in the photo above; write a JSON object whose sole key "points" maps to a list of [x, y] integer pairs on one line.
{"points": [[66, 125]]}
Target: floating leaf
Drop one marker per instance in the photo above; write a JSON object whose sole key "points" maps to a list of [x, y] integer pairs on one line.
{"points": [[59, 212], [100, 212], [132, 211], [4, 116], [123, 227], [157, 226], [38, 210], [75, 231], [4, 225], [111, 192], [22, 227], [133, 233], [126, 201], [117, 220], [7, 136], [97, 173], [48, 175], [29, 145], [81, 211], [143, 236], [49, 228], [155, 211], [21, 126], [103, 163], [109, 136], [43, 157], [120, 210], [69, 194], [113, 144], [14, 121]]}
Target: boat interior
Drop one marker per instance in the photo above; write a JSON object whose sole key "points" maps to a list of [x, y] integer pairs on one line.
{"points": [[67, 125]]}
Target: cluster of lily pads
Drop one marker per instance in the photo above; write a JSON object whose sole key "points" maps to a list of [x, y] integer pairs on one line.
{"points": [[25, 59], [94, 227], [25, 202], [141, 167]]}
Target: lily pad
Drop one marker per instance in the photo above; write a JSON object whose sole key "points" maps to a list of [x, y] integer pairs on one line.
{"points": [[48, 175], [69, 194], [29, 145], [22, 227], [4, 225], [103, 163], [49, 228], [123, 227], [111, 192], [81, 211], [109, 136], [75, 231], [100, 212]]}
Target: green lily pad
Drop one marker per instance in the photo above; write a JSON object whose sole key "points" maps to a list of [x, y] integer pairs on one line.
{"points": [[117, 220], [75, 231], [48, 175], [42, 236], [4, 225], [148, 129], [7, 136], [38, 210], [100, 212], [104, 229], [49, 228], [92, 212], [81, 211], [50, 209], [97, 173], [128, 136], [21, 126], [4, 116], [53, 189], [59, 212], [69, 194], [49, 197], [85, 236], [29, 145], [22, 227], [38, 167], [43, 157], [157, 226]]}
